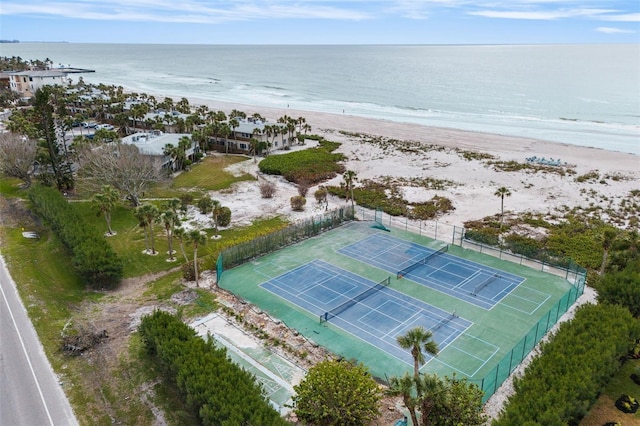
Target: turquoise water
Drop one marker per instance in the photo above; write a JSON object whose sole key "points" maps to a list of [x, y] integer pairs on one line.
{"points": [[578, 94]]}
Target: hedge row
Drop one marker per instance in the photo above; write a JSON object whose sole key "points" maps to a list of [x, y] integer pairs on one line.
{"points": [[561, 384], [93, 258], [220, 391]]}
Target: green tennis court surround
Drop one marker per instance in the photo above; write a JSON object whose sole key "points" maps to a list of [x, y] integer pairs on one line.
{"points": [[486, 313]]}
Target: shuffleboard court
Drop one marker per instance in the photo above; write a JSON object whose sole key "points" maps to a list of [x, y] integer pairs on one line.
{"points": [[378, 318], [466, 280]]}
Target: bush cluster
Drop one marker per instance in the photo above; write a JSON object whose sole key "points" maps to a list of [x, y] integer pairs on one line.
{"points": [[218, 390], [309, 166], [93, 258], [560, 385]]}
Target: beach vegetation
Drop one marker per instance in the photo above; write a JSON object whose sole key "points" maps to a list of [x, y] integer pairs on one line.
{"points": [[596, 340], [517, 166], [313, 165], [591, 177], [297, 203], [267, 189], [387, 195]]}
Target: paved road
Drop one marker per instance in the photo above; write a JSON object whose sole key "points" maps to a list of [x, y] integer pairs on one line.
{"points": [[30, 394]]}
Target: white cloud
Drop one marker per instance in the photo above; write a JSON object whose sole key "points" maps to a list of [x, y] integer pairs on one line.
{"points": [[190, 11], [610, 30], [628, 17]]}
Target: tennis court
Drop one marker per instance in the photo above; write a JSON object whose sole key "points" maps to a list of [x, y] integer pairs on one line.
{"points": [[367, 310], [341, 289], [466, 280]]}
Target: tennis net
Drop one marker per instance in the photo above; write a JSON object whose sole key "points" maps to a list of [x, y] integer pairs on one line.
{"points": [[485, 283], [444, 322], [349, 303], [424, 261]]}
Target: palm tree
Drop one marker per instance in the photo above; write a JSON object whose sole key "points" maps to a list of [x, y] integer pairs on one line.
{"points": [[196, 238], [150, 215], [431, 392], [233, 124], [416, 340], [349, 178], [502, 192], [106, 200], [142, 222], [403, 386], [181, 235], [170, 220], [224, 130], [215, 211]]}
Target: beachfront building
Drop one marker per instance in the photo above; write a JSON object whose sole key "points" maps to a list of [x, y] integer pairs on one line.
{"points": [[26, 83], [153, 143], [273, 135]]}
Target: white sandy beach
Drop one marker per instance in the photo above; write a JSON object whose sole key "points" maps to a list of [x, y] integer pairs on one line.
{"points": [[474, 182]]}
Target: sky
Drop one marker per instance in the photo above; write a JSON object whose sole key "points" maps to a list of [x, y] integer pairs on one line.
{"points": [[321, 21]]}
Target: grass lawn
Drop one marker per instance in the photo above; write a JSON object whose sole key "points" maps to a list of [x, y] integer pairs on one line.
{"points": [[50, 290], [209, 174], [10, 187], [604, 410], [54, 295]]}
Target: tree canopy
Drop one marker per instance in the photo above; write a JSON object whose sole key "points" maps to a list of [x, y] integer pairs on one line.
{"points": [[337, 392]]}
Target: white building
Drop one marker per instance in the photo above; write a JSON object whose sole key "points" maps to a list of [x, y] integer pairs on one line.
{"points": [[26, 83], [153, 143]]}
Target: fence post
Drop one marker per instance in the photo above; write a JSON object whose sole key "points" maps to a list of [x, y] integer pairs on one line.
{"points": [[524, 346], [495, 387], [435, 236]]}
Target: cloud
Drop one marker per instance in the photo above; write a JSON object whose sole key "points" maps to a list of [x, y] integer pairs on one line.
{"points": [[546, 15], [212, 12], [188, 11], [610, 30]]}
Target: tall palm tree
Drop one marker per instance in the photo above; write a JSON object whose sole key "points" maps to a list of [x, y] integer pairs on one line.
{"points": [[196, 238], [150, 215], [224, 130], [106, 201], [349, 178], [403, 386], [416, 340], [170, 220], [181, 235], [142, 222], [502, 192], [233, 124]]}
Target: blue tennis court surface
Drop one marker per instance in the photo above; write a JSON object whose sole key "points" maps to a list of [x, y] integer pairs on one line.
{"points": [[378, 319], [466, 280]]}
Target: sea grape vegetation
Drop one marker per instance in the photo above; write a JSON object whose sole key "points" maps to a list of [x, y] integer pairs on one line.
{"points": [[93, 258], [218, 390], [560, 385]]}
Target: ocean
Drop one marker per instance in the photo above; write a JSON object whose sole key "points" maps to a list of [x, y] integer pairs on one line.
{"points": [[586, 95]]}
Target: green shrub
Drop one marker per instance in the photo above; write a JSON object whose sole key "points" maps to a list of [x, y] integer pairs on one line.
{"points": [[92, 256], [489, 236], [523, 245], [219, 391], [555, 388], [298, 202], [309, 165], [224, 216]]}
